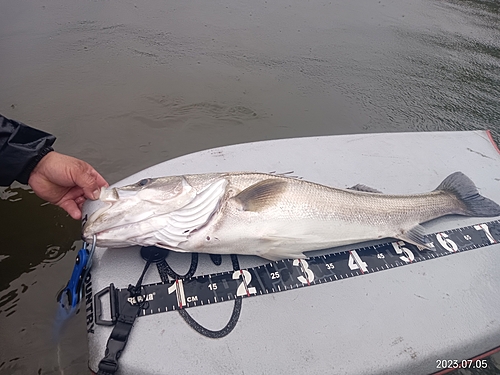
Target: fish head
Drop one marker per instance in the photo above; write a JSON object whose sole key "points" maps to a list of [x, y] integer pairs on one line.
{"points": [[129, 210]]}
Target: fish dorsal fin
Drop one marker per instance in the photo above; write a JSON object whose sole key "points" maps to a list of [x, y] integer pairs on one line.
{"points": [[260, 195], [178, 225], [366, 189]]}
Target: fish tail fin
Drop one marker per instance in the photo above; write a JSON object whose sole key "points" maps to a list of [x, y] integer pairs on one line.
{"points": [[464, 189]]}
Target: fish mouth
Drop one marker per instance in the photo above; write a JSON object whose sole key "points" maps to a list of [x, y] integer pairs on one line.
{"points": [[107, 217], [88, 232]]}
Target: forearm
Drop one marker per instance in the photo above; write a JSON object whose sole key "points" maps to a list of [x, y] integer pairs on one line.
{"points": [[21, 148]]}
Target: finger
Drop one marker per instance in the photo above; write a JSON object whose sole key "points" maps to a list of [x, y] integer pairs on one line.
{"points": [[80, 201], [72, 194], [80, 206], [72, 209], [87, 180]]}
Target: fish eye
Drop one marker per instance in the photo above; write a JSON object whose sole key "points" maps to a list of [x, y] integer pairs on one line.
{"points": [[143, 182]]}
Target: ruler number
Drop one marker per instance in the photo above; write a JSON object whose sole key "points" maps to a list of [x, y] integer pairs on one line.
{"points": [[484, 227], [330, 266], [178, 288], [243, 289], [446, 242], [305, 269], [275, 275], [212, 286], [355, 262], [400, 249]]}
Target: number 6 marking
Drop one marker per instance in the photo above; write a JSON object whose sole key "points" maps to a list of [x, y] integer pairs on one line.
{"points": [[243, 288], [446, 242]]}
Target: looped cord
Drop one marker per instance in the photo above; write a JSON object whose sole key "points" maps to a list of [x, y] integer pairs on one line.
{"points": [[164, 270]]}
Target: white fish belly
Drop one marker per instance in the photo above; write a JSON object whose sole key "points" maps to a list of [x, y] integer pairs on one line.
{"points": [[279, 239]]}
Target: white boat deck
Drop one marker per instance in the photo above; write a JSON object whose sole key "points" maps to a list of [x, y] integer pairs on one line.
{"points": [[398, 321]]}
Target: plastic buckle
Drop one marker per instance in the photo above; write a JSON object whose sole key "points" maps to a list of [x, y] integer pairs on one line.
{"points": [[113, 350], [112, 302]]}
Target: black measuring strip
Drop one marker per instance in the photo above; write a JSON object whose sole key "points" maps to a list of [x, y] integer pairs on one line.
{"points": [[296, 273]]}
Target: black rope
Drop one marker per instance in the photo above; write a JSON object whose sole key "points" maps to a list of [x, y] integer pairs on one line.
{"points": [[164, 270], [214, 334], [236, 264], [216, 258]]}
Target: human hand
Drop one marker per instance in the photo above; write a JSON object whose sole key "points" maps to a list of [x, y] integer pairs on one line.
{"points": [[66, 182]]}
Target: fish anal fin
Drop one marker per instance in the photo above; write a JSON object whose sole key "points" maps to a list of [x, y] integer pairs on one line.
{"points": [[415, 236], [364, 188], [260, 195]]}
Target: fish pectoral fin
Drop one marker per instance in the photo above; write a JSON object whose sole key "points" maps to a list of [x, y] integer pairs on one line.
{"points": [[364, 188], [415, 236], [260, 195]]}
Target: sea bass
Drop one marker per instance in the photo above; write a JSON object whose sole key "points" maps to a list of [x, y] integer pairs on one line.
{"points": [[272, 216]]}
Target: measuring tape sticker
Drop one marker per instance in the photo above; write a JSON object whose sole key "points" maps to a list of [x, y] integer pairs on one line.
{"points": [[289, 274]]}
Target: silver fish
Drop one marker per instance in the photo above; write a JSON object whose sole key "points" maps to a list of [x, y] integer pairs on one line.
{"points": [[270, 215]]}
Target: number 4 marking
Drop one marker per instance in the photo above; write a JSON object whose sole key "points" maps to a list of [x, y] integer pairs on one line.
{"points": [[355, 262]]}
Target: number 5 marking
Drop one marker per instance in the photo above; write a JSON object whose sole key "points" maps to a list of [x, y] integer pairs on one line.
{"points": [[243, 288], [398, 247]]}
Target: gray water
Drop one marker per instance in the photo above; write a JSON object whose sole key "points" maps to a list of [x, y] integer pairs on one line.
{"points": [[127, 84]]}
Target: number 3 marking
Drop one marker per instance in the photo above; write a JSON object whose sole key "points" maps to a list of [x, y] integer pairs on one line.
{"points": [[305, 269]]}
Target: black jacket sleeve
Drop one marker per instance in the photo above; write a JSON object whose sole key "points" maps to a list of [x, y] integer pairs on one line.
{"points": [[21, 148]]}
